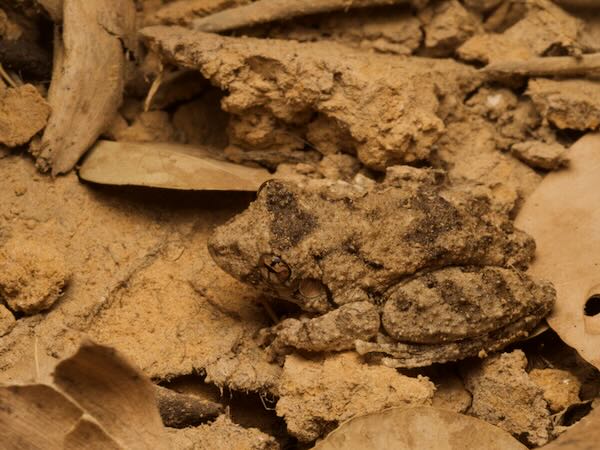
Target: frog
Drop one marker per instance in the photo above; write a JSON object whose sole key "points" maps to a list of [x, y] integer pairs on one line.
{"points": [[407, 272]]}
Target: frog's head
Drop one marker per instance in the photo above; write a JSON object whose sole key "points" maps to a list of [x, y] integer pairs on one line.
{"points": [[270, 246]]}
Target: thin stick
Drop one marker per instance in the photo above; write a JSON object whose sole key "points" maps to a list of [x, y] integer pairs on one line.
{"points": [[263, 11], [6, 77], [36, 359], [562, 66]]}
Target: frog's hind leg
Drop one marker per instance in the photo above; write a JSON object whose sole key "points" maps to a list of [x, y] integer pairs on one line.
{"points": [[410, 355], [333, 331]]}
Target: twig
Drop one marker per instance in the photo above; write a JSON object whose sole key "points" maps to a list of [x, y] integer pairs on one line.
{"points": [[6, 77], [263, 11], [561, 66]]}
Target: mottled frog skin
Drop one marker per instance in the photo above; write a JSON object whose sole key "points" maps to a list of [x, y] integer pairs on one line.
{"points": [[410, 273]]}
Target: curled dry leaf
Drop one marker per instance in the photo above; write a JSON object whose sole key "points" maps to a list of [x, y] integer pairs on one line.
{"points": [[563, 215], [98, 401], [418, 428], [584, 435], [264, 11], [35, 416], [87, 79], [167, 165]]}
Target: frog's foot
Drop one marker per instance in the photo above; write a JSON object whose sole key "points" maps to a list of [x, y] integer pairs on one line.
{"points": [[334, 331], [410, 355]]}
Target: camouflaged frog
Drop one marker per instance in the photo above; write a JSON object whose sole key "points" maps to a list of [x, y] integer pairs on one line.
{"points": [[409, 273]]}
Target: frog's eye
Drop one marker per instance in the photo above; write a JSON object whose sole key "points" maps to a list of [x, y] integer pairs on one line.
{"points": [[273, 269], [262, 187]]}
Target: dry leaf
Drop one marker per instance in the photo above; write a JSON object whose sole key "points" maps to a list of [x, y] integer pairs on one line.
{"points": [[98, 401], [263, 11], [563, 216], [115, 393], [87, 79], [167, 165], [584, 435], [35, 416], [416, 429]]}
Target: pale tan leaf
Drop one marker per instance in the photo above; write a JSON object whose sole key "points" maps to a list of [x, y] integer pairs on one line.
{"points": [[584, 435], [115, 393], [87, 79], [99, 401], [563, 215], [167, 165], [35, 416], [416, 429], [88, 434]]}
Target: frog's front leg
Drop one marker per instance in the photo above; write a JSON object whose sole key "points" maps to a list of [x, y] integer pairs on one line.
{"points": [[334, 331]]}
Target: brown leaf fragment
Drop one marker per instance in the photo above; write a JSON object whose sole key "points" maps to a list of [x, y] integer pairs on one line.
{"points": [[35, 416], [87, 80], [166, 165], [563, 215], [263, 11], [23, 112], [97, 401], [115, 393], [418, 428], [184, 410], [88, 434], [584, 435]]}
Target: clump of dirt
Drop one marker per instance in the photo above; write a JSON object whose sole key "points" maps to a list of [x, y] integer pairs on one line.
{"points": [[314, 398], [447, 26], [561, 388], [450, 392], [23, 113], [541, 155], [505, 395], [540, 27], [567, 104], [33, 275], [281, 90], [222, 433]]}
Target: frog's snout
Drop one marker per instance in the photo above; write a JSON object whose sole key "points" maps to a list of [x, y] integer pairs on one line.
{"points": [[224, 250]]}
